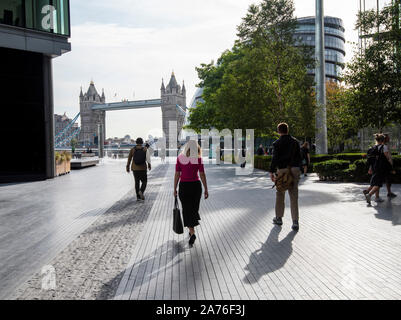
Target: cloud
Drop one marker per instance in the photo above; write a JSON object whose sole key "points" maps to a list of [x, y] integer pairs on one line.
{"points": [[127, 46], [132, 60]]}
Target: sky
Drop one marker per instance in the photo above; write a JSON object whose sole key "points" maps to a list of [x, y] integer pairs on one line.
{"points": [[128, 46]]}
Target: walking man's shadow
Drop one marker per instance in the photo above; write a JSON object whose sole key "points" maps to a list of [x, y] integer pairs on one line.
{"points": [[270, 257]]}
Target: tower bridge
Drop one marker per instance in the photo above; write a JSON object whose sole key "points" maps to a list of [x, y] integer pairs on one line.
{"points": [[93, 109]]}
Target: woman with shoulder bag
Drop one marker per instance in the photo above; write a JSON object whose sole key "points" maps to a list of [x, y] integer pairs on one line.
{"points": [[189, 164]]}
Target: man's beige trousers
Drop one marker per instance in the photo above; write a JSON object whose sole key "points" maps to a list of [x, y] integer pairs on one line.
{"points": [[293, 192]]}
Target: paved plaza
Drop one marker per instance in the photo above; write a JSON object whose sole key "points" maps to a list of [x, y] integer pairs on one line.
{"points": [[38, 220], [127, 250]]}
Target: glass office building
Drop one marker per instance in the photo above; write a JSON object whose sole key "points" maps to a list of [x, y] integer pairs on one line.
{"points": [[32, 33], [43, 15], [334, 43]]}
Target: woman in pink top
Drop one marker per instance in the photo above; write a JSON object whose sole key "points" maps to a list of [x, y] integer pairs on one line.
{"points": [[189, 164]]}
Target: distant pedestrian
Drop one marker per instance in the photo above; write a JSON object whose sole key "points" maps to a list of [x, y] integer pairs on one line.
{"points": [[218, 154], [377, 168], [243, 152], [285, 166], [389, 166], [189, 164], [260, 151], [139, 163], [163, 154], [305, 154]]}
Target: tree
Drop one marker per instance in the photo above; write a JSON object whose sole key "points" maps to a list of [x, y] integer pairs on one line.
{"points": [[73, 143], [375, 73], [263, 80], [341, 122]]}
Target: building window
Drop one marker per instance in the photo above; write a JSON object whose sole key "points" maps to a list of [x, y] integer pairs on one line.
{"points": [[43, 15]]}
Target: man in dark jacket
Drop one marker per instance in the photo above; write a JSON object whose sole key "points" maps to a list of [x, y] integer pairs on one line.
{"points": [[260, 151], [139, 162], [286, 153]]}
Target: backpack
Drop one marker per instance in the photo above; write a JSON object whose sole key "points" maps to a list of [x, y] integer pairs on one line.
{"points": [[372, 156], [376, 159], [140, 156]]}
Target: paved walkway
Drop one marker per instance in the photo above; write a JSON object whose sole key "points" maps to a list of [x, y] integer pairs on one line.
{"points": [[38, 220], [88, 268], [344, 249]]}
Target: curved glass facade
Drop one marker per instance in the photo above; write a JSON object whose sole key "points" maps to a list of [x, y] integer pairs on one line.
{"points": [[334, 43], [197, 97]]}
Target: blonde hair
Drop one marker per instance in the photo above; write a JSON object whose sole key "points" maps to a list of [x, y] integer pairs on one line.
{"points": [[189, 148]]}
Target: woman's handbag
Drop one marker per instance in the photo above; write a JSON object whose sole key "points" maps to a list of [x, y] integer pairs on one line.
{"points": [[177, 221]]}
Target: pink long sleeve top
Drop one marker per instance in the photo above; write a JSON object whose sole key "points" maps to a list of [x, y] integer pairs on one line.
{"points": [[189, 168]]}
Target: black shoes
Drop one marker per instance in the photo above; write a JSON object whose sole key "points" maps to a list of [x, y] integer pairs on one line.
{"points": [[391, 195], [278, 221], [140, 194], [192, 240]]}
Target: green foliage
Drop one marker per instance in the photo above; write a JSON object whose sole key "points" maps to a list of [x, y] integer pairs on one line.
{"points": [[331, 169], [62, 156], [73, 143], [341, 122], [374, 75], [263, 162], [351, 167], [262, 81], [361, 171], [321, 157], [350, 156]]}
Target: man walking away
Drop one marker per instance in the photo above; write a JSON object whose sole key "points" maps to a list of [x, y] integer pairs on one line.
{"points": [[260, 151], [305, 155], [286, 160], [139, 162]]}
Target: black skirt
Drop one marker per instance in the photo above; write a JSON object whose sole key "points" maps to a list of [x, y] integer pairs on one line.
{"points": [[377, 179], [190, 194]]}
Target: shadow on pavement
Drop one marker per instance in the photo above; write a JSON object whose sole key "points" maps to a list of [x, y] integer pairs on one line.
{"points": [[162, 257], [389, 211], [272, 256]]}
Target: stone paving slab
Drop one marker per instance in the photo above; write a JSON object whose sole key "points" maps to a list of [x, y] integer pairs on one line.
{"points": [[89, 267], [344, 249], [39, 219]]}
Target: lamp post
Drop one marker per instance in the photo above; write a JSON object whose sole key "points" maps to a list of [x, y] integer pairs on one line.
{"points": [[321, 122]]}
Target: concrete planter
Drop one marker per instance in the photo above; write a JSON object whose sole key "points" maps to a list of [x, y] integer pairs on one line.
{"points": [[63, 167]]}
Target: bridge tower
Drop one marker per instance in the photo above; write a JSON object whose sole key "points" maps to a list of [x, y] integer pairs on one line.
{"points": [[171, 96], [93, 122]]}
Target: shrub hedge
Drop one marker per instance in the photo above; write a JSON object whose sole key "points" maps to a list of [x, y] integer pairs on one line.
{"points": [[263, 162], [347, 167], [331, 169]]}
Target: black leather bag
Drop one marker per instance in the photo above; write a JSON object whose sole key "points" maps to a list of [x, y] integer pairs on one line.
{"points": [[177, 221]]}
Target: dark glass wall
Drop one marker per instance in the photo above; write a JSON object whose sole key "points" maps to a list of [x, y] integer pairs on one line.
{"points": [[22, 128], [44, 15]]}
